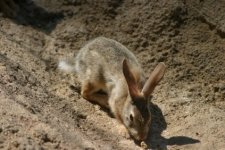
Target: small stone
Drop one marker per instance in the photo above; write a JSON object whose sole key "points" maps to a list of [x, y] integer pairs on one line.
{"points": [[82, 116], [15, 144], [144, 145], [222, 86], [97, 107]]}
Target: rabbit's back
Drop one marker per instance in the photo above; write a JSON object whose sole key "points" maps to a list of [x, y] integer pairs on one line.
{"points": [[103, 56]]}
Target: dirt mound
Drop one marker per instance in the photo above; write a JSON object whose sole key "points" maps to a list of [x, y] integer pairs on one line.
{"points": [[40, 107]]}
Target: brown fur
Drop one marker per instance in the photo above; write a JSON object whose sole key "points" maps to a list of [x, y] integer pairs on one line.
{"points": [[106, 65]]}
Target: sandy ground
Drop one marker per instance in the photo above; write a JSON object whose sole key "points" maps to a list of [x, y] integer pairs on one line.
{"points": [[41, 108]]}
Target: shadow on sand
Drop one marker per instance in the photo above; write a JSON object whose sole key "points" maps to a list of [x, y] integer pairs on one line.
{"points": [[155, 140], [30, 14]]}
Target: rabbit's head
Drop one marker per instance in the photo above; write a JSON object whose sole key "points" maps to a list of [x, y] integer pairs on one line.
{"points": [[136, 115]]}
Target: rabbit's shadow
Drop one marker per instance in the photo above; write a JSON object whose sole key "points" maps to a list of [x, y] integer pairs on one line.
{"points": [[158, 125]]}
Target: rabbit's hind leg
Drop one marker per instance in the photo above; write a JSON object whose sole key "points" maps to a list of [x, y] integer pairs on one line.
{"points": [[92, 91]]}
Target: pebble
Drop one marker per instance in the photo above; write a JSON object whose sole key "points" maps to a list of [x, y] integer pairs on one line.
{"points": [[144, 145]]}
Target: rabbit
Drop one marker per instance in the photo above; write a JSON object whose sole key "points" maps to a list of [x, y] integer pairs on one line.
{"points": [[111, 76]]}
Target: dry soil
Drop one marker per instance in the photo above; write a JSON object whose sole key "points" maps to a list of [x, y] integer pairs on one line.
{"points": [[41, 108]]}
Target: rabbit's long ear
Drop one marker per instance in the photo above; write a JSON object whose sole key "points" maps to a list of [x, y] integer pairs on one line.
{"points": [[153, 79], [131, 81]]}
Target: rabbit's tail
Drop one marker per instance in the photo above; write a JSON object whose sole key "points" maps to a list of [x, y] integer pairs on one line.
{"points": [[67, 65]]}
